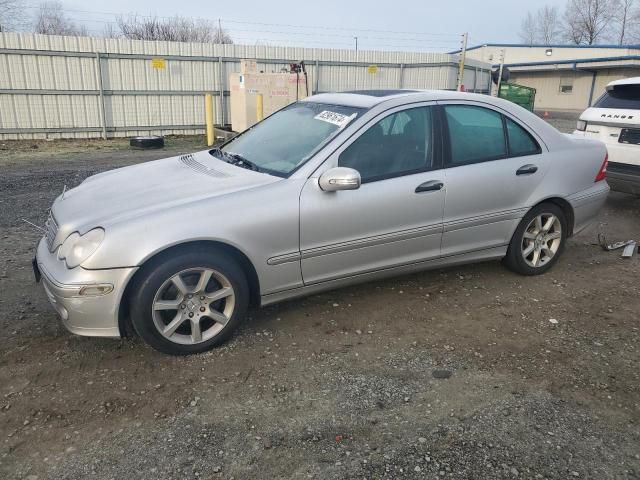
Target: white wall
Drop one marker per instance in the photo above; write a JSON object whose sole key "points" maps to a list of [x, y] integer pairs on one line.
{"points": [[50, 85]]}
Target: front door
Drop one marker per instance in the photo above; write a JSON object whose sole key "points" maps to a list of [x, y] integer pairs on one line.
{"points": [[394, 218]]}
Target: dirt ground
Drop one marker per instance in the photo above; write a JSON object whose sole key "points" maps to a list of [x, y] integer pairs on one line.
{"points": [[468, 372]]}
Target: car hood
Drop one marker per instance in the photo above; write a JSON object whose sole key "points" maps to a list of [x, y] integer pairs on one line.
{"points": [[121, 194]]}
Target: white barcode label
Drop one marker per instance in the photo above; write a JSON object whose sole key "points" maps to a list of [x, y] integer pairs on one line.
{"points": [[333, 117]]}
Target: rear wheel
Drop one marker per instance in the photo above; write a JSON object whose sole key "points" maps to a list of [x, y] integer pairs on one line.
{"points": [[538, 241], [189, 302]]}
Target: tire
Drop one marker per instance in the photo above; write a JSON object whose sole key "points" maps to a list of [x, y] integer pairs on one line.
{"points": [[157, 291], [520, 258], [151, 141]]}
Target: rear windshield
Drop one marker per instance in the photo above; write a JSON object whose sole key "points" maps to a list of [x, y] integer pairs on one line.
{"points": [[622, 96]]}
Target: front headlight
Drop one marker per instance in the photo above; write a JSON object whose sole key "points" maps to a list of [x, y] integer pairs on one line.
{"points": [[77, 248]]}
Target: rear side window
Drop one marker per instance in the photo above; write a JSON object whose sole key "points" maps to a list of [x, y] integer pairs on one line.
{"points": [[520, 141], [622, 96], [476, 134]]}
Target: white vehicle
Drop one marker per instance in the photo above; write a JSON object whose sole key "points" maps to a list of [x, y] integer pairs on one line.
{"points": [[615, 120]]}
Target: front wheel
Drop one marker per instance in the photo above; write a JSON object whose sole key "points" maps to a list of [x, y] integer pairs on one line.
{"points": [[538, 241], [190, 302]]}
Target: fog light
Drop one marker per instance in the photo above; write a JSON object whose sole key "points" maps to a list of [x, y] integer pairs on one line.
{"points": [[96, 290]]}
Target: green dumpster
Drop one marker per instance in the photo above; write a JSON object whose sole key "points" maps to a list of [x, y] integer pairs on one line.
{"points": [[518, 94]]}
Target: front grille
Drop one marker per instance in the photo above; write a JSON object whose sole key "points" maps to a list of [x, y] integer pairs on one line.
{"points": [[51, 230], [630, 135]]}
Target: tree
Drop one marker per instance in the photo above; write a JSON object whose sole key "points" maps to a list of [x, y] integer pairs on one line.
{"points": [[587, 21], [52, 20], [528, 29], [549, 25], [628, 18], [175, 29], [541, 27], [12, 15]]}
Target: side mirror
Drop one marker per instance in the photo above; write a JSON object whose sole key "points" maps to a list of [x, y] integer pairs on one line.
{"points": [[339, 178]]}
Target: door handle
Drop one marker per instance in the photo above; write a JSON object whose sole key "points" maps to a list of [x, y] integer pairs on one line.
{"points": [[430, 186], [527, 170]]}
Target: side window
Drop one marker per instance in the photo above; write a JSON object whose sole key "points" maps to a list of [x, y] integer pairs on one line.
{"points": [[399, 144], [476, 134], [520, 141]]}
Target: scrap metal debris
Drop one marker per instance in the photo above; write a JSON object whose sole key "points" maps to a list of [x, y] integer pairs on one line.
{"points": [[602, 241], [629, 250]]}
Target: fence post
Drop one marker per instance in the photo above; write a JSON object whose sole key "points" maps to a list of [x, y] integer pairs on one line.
{"points": [[475, 79], [259, 107], [208, 109], [221, 92], [401, 79], [317, 77], [103, 117]]}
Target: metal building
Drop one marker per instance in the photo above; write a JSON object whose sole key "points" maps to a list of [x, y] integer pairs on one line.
{"points": [[69, 87], [566, 78]]}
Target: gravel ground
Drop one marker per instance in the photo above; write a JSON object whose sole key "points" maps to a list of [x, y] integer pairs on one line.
{"points": [[456, 373]]}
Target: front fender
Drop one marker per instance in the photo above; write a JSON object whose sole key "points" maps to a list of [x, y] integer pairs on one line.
{"points": [[262, 223]]}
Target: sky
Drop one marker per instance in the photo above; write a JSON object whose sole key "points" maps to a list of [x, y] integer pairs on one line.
{"points": [[417, 25]]}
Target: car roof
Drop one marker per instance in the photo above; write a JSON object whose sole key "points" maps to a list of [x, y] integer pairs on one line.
{"points": [[625, 81], [370, 98], [364, 99]]}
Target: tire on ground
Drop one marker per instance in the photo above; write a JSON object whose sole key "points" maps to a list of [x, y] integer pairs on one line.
{"points": [[514, 259], [152, 276], [151, 141]]}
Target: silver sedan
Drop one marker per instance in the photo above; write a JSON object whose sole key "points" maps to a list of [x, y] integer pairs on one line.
{"points": [[333, 190]]}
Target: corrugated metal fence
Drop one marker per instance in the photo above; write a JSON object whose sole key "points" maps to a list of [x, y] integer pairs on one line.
{"points": [[80, 87]]}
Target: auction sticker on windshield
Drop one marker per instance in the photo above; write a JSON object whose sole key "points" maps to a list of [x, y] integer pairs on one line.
{"points": [[334, 117]]}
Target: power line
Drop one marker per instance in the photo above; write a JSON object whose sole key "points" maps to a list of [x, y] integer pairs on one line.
{"points": [[366, 41], [244, 22]]}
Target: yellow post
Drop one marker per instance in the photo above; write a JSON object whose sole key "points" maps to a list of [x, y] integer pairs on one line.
{"points": [[208, 107], [259, 107]]}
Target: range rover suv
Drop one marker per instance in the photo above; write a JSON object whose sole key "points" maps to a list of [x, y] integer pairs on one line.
{"points": [[615, 120]]}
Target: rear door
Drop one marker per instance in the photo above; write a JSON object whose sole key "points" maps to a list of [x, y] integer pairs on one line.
{"points": [[492, 166], [394, 218]]}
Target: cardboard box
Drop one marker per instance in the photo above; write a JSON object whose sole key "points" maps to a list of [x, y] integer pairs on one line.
{"points": [[278, 90], [248, 66]]}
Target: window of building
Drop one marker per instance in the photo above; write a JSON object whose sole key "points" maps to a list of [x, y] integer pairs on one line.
{"points": [[566, 84]]}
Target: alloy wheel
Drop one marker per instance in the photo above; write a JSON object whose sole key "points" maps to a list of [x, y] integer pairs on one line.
{"points": [[193, 306], [541, 240]]}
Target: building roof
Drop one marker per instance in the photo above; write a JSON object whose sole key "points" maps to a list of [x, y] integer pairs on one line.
{"points": [[543, 45], [576, 63]]}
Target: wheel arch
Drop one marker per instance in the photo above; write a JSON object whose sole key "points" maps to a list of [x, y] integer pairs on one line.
{"points": [[124, 319], [566, 208]]}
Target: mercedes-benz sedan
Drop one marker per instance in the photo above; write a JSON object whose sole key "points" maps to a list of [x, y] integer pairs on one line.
{"points": [[329, 191]]}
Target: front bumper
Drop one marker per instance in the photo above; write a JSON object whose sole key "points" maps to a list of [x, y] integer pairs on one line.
{"points": [[90, 314]]}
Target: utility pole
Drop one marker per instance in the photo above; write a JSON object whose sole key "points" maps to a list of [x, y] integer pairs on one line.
{"points": [[219, 30], [356, 39], [502, 53], [463, 55]]}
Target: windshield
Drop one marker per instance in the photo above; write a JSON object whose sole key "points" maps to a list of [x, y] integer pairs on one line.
{"points": [[622, 96], [287, 139]]}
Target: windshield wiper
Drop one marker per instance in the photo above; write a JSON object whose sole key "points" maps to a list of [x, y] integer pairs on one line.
{"points": [[240, 161], [234, 159]]}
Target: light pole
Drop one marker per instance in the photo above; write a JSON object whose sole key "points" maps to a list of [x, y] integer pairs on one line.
{"points": [[356, 39]]}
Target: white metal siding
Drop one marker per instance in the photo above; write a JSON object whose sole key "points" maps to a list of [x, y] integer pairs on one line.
{"points": [[49, 85]]}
